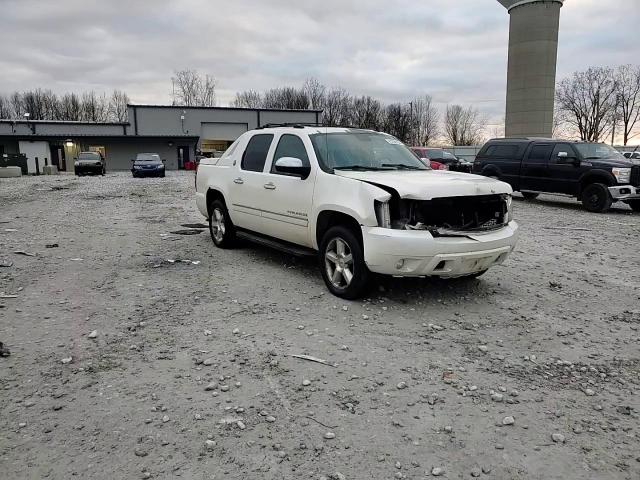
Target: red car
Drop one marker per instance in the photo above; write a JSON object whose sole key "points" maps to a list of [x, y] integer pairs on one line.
{"points": [[427, 156]]}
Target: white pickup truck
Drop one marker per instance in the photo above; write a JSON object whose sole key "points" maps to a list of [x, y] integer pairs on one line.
{"points": [[360, 200]]}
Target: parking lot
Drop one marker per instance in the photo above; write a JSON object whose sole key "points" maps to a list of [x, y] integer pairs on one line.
{"points": [[138, 351]]}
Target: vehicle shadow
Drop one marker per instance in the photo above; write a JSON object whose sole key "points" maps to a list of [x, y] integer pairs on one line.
{"points": [[402, 290], [617, 208]]}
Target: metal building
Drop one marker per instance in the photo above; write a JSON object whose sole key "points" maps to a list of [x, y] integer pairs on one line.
{"points": [[177, 134], [531, 75]]}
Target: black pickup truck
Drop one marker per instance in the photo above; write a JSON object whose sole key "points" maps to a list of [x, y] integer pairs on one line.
{"points": [[594, 173]]}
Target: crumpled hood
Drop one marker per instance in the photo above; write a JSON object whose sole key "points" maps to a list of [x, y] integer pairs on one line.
{"points": [[429, 184]]}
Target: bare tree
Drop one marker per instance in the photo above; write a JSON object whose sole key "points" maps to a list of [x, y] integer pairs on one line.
{"points": [[337, 108], [588, 102], [315, 92], [5, 108], [70, 107], [462, 126], [17, 105], [94, 107], [628, 99], [398, 122], [425, 120], [117, 111], [190, 89], [366, 112], [287, 98], [248, 99]]}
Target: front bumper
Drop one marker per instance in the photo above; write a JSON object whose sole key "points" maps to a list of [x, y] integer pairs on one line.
{"points": [[147, 172], [417, 253], [96, 168], [624, 192]]}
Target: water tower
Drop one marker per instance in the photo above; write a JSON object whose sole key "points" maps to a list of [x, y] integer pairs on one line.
{"points": [[531, 75]]}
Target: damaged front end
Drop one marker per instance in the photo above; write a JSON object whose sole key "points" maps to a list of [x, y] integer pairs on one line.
{"points": [[448, 216]]}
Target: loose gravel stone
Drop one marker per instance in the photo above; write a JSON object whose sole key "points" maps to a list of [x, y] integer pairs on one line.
{"points": [[329, 435], [508, 421], [557, 437], [437, 471]]}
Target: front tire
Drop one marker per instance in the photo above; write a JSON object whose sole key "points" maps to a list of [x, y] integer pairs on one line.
{"points": [[530, 195], [342, 263], [221, 228], [634, 204], [596, 198]]}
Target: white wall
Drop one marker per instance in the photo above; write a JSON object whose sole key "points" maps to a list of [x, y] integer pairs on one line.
{"points": [[33, 150]]}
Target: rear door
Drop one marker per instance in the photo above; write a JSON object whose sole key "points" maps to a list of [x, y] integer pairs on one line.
{"points": [[287, 199], [501, 160], [246, 188], [534, 173]]}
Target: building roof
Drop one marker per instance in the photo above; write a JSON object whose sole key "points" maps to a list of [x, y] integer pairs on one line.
{"points": [[62, 122], [184, 107]]}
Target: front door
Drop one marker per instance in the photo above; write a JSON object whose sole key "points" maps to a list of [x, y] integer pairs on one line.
{"points": [[565, 170], [183, 156], [534, 174], [247, 186], [287, 199]]}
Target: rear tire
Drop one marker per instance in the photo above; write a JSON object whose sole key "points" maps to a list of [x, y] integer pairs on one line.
{"points": [[221, 228], [341, 259], [634, 204], [596, 198], [530, 195]]}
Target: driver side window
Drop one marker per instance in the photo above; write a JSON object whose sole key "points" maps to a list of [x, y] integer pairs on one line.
{"points": [[290, 146], [562, 147]]}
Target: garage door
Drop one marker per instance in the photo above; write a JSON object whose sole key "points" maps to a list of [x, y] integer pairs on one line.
{"points": [[222, 131]]}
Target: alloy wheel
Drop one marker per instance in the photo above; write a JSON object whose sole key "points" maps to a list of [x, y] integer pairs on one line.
{"points": [[339, 263], [217, 225]]}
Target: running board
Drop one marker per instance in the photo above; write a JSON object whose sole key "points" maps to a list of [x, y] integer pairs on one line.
{"points": [[276, 244]]}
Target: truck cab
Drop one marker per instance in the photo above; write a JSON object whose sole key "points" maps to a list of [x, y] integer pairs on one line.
{"points": [[594, 173]]}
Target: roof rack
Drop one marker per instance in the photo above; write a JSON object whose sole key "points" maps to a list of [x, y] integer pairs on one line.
{"points": [[301, 125]]}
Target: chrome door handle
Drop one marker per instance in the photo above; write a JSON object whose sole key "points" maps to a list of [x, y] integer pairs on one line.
{"points": [[239, 181], [269, 186]]}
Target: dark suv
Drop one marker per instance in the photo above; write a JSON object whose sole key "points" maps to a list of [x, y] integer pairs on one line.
{"points": [[594, 173]]}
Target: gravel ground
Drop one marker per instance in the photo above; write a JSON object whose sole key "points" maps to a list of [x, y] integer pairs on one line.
{"points": [[141, 353]]}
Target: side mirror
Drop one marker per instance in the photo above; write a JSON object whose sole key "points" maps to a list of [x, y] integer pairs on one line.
{"points": [[133, 159], [292, 166], [164, 160], [564, 158]]}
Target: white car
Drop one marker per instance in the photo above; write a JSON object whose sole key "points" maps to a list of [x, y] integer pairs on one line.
{"points": [[360, 200]]}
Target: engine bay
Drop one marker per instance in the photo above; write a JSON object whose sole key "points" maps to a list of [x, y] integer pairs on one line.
{"points": [[450, 215]]}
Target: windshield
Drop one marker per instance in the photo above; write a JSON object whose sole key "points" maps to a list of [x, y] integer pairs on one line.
{"points": [[597, 150], [148, 157], [363, 151], [435, 153], [89, 156]]}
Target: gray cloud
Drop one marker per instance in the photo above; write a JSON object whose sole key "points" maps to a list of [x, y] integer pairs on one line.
{"points": [[454, 50]]}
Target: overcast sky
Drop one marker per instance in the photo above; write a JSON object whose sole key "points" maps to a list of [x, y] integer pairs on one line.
{"points": [[455, 50]]}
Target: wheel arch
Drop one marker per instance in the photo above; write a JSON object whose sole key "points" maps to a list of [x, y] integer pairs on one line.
{"points": [[596, 176], [329, 218], [214, 194]]}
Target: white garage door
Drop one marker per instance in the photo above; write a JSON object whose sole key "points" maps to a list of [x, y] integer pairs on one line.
{"points": [[222, 131], [33, 150]]}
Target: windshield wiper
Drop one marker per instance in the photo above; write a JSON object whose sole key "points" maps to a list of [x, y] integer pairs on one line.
{"points": [[359, 167], [402, 166]]}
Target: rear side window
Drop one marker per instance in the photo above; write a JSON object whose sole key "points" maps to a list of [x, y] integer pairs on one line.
{"points": [[540, 153], [502, 151], [290, 146], [255, 155]]}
